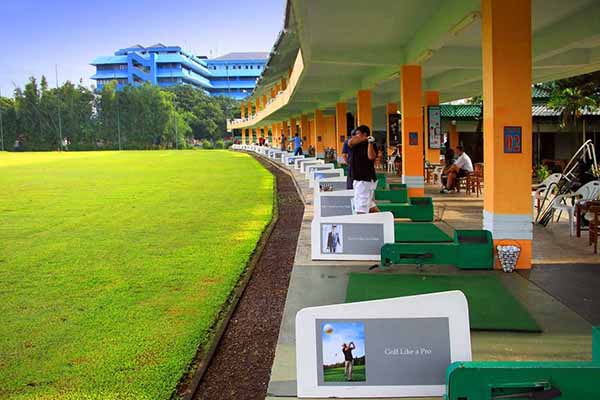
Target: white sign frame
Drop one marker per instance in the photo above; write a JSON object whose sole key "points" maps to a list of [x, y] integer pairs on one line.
{"points": [[311, 178], [452, 305], [319, 195]]}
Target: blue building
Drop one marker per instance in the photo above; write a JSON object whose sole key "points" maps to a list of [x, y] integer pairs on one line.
{"points": [[232, 75]]}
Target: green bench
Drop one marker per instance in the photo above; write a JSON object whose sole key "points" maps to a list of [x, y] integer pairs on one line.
{"points": [[418, 209], [468, 249], [542, 380], [393, 196]]}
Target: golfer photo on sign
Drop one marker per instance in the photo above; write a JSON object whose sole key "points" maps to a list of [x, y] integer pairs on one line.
{"points": [[343, 352], [332, 239]]}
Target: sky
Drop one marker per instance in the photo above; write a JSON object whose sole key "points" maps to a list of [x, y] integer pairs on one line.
{"points": [[38, 35], [343, 332]]}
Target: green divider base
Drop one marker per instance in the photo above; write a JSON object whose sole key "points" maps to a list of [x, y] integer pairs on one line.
{"points": [[411, 232], [398, 186], [470, 249], [418, 209], [393, 196], [381, 181]]}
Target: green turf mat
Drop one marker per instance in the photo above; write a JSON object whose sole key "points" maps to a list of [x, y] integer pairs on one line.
{"points": [[419, 232], [491, 305]]}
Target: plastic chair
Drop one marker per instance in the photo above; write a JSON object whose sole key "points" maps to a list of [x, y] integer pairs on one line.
{"points": [[539, 190], [589, 191]]}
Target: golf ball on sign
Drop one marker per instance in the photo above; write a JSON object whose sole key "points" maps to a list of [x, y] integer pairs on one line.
{"points": [[328, 329]]}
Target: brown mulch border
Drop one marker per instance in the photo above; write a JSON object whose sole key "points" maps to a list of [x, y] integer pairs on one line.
{"points": [[238, 365]]}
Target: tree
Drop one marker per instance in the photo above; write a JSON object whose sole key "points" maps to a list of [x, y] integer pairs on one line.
{"points": [[573, 96]]}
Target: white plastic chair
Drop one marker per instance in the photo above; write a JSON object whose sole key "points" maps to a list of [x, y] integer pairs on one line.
{"points": [[391, 168], [589, 191], [437, 174], [539, 190]]}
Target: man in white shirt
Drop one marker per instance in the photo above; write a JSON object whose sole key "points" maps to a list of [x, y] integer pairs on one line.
{"points": [[461, 167]]}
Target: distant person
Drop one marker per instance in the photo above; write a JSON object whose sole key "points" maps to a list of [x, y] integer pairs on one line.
{"points": [[364, 153], [347, 155], [297, 145], [460, 168], [333, 240], [348, 359], [283, 142]]}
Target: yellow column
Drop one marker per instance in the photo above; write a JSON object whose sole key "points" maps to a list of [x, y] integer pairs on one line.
{"points": [[329, 134], [364, 109], [319, 132], [249, 108], [506, 51], [430, 98], [284, 130], [390, 108], [293, 128], [274, 133], [243, 136], [453, 136], [250, 138], [412, 130], [341, 126], [304, 131]]}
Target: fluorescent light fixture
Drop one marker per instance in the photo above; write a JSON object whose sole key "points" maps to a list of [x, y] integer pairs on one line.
{"points": [[464, 23], [424, 56]]}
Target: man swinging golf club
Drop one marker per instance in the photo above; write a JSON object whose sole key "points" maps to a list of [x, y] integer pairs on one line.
{"points": [[348, 359]]}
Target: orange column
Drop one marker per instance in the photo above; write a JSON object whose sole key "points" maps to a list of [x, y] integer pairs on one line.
{"points": [[312, 135], [249, 107], [506, 51], [412, 130], [283, 84], [364, 109], [264, 102], [293, 128], [341, 127], [430, 98], [257, 104], [304, 131], [284, 130], [330, 134], [243, 136], [453, 136], [390, 108], [319, 133], [250, 138]]}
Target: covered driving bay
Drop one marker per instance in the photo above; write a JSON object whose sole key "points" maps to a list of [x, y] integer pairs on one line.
{"points": [[398, 58]]}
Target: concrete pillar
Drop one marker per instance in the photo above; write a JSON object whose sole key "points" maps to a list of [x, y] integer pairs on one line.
{"points": [[506, 51], [264, 102], [293, 128], [412, 130], [304, 130], [319, 133], [341, 126], [453, 136], [244, 135], [284, 131], [251, 139], [249, 108], [364, 108], [430, 98], [283, 83], [329, 136], [258, 105], [390, 108]]}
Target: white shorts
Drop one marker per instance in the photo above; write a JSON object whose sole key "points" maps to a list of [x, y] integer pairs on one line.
{"points": [[364, 196]]}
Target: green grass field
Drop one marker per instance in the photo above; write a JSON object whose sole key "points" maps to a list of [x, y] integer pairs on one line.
{"points": [[113, 265], [337, 374]]}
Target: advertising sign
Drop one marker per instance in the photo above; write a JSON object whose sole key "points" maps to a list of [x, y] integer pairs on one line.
{"points": [[435, 127], [398, 347]]}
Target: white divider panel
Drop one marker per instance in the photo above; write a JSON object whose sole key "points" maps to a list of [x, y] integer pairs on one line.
{"points": [[351, 237], [318, 167], [298, 162], [289, 160], [405, 345], [305, 164], [333, 204], [326, 184], [326, 173]]}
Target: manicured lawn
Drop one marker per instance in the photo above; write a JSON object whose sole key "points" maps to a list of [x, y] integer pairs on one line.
{"points": [[114, 265], [337, 374]]}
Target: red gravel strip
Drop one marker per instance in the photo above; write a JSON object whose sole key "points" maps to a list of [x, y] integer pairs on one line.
{"points": [[241, 366]]}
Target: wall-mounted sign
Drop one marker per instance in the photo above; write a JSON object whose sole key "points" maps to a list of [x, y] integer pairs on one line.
{"points": [[513, 139], [398, 347], [413, 138], [394, 124], [357, 237], [435, 127]]}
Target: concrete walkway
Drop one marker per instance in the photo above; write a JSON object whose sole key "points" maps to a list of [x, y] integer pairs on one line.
{"points": [[566, 335]]}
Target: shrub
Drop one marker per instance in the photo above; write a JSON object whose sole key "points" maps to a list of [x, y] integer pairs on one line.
{"points": [[219, 144], [228, 143]]}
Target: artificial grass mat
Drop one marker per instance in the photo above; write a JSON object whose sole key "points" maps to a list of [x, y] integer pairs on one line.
{"points": [[491, 306], [406, 232]]}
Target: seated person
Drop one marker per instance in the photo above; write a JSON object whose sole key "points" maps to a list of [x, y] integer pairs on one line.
{"points": [[460, 168]]}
